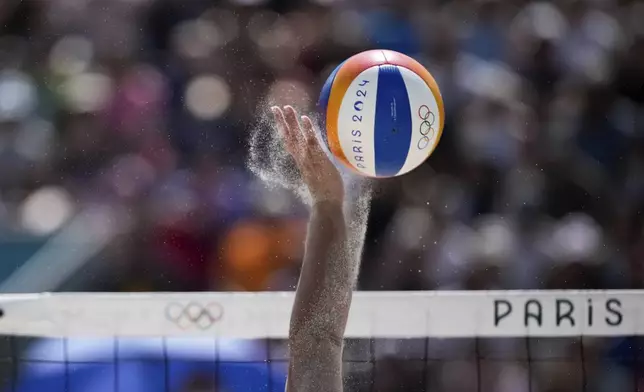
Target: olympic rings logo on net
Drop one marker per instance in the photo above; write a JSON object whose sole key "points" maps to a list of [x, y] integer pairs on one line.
{"points": [[427, 130], [194, 314]]}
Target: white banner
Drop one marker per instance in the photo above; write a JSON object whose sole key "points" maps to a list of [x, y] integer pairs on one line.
{"points": [[373, 314]]}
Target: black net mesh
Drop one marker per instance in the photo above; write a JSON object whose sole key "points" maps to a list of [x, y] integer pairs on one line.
{"points": [[411, 365]]}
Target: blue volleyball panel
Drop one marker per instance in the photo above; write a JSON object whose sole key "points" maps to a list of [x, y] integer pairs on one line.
{"points": [[392, 129]]}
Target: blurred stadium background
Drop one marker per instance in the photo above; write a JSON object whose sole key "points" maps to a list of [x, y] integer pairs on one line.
{"points": [[124, 123]]}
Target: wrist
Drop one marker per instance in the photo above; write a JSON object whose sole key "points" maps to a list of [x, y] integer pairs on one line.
{"points": [[328, 215], [327, 196], [327, 206]]}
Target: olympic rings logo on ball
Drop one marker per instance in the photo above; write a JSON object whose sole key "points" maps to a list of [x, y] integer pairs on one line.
{"points": [[426, 126]]}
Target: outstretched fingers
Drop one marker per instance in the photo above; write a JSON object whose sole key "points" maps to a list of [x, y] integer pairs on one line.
{"points": [[301, 141], [291, 119], [317, 170], [308, 131], [285, 130], [318, 158]]}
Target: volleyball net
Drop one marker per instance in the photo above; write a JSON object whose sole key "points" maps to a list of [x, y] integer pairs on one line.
{"points": [[496, 341]]}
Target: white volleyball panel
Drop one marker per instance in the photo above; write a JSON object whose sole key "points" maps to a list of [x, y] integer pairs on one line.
{"points": [[425, 120], [356, 121]]}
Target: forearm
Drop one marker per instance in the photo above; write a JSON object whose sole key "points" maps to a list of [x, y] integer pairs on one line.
{"points": [[323, 295], [322, 302]]}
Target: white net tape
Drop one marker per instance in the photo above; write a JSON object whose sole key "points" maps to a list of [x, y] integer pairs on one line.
{"points": [[373, 314]]}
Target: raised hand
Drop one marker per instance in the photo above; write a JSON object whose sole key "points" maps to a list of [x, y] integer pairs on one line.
{"points": [[318, 172]]}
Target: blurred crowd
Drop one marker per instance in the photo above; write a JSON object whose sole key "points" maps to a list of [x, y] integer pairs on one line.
{"points": [[146, 105]]}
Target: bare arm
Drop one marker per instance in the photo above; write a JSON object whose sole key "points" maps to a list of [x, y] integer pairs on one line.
{"points": [[321, 305], [323, 298], [329, 271]]}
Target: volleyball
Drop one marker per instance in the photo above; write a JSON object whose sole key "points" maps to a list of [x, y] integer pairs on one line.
{"points": [[382, 113]]}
